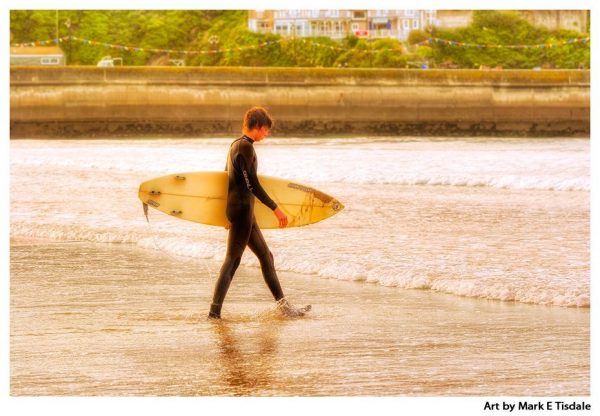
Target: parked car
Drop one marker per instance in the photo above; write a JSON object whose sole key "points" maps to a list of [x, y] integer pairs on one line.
{"points": [[106, 61]]}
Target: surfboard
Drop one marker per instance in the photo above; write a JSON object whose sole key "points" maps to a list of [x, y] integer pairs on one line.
{"points": [[202, 197]]}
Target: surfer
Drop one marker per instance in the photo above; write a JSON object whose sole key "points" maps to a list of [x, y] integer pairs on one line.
{"points": [[244, 232]]}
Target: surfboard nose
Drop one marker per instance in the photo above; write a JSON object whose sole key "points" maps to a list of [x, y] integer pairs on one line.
{"points": [[336, 206]]}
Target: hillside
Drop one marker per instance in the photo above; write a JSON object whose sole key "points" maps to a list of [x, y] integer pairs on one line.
{"points": [[221, 38]]}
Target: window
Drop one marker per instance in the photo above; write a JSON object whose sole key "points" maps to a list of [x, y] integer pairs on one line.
{"points": [[50, 61], [358, 15], [405, 24], [282, 29], [409, 12], [415, 24], [314, 13], [354, 27]]}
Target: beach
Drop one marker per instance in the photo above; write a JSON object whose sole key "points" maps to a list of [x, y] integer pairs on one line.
{"points": [[108, 319], [457, 268]]}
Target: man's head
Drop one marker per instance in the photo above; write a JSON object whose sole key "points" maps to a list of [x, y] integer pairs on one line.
{"points": [[257, 123]]}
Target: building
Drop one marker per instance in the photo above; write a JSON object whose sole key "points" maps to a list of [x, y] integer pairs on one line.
{"points": [[451, 19], [260, 21], [576, 20], [398, 24], [37, 55], [302, 23], [338, 24]]}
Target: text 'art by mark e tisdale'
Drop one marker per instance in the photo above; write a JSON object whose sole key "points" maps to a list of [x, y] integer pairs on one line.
{"points": [[550, 405]]}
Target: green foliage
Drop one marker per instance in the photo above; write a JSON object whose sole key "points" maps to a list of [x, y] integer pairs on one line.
{"points": [[359, 57], [507, 28], [350, 41], [387, 53], [225, 39], [28, 25], [417, 36]]}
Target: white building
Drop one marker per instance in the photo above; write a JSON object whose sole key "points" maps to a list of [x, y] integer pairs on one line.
{"points": [[396, 24], [338, 24]]}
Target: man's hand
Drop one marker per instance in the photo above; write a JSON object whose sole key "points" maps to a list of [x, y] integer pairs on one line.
{"points": [[281, 217]]}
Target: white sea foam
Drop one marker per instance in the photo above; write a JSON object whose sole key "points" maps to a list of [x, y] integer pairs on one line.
{"points": [[512, 165], [455, 231]]}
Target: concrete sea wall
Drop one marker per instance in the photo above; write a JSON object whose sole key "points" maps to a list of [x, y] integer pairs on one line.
{"points": [[193, 102]]}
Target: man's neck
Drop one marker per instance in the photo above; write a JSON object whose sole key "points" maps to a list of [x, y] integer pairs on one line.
{"points": [[247, 136]]}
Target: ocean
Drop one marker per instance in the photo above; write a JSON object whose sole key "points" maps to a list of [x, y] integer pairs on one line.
{"points": [[502, 219], [458, 267]]}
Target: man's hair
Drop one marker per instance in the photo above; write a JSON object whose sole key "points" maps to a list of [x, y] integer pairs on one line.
{"points": [[257, 117]]}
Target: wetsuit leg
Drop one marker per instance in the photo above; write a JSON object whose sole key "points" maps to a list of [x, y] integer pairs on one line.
{"points": [[237, 240], [259, 247]]}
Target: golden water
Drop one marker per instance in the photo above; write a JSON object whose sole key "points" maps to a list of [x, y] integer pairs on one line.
{"points": [[102, 319]]}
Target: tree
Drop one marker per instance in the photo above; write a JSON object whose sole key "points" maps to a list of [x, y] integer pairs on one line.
{"points": [[225, 33]]}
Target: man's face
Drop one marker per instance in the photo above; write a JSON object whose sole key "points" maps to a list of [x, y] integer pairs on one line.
{"points": [[261, 133]]}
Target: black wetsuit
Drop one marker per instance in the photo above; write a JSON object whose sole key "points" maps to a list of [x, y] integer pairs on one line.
{"points": [[244, 231]]}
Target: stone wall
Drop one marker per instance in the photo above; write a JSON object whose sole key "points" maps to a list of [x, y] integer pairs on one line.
{"points": [[193, 102]]}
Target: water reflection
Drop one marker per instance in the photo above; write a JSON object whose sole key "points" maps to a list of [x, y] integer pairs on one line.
{"points": [[247, 355]]}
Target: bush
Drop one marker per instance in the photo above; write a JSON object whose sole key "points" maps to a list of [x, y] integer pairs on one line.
{"points": [[508, 28], [226, 33]]}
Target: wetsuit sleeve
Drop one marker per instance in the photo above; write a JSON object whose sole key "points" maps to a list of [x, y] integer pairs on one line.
{"points": [[247, 166]]}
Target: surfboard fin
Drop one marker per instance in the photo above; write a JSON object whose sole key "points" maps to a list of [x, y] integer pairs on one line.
{"points": [[145, 206]]}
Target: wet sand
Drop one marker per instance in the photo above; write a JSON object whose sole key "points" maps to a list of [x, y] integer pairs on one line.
{"points": [[118, 320]]}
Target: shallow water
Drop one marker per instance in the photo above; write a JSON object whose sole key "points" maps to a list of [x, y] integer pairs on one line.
{"points": [[114, 319]]}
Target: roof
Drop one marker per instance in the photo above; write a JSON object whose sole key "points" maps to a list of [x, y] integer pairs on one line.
{"points": [[36, 50]]}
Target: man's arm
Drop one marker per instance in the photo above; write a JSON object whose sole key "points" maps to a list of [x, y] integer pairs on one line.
{"points": [[251, 179], [248, 170]]}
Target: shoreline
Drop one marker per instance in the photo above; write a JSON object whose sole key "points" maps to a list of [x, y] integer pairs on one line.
{"points": [[111, 326], [20, 241], [348, 136]]}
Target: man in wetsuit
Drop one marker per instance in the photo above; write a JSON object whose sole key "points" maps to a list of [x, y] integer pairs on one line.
{"points": [[243, 229]]}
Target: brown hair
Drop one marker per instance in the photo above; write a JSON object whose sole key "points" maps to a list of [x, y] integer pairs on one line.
{"points": [[255, 118]]}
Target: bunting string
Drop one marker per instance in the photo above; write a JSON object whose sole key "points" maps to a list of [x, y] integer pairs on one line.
{"points": [[139, 48], [432, 41]]}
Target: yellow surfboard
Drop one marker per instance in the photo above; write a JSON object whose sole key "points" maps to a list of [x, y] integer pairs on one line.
{"points": [[202, 197]]}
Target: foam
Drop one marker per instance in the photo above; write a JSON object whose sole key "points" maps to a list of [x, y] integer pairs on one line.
{"points": [[562, 292], [510, 165], [68, 191]]}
